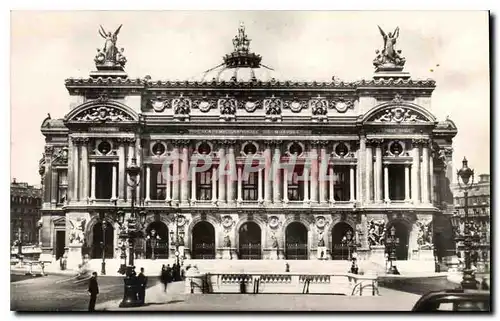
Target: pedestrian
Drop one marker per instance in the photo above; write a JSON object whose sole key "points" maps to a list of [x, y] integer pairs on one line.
{"points": [[484, 285], [164, 277], [142, 280], [287, 267], [168, 274], [93, 291]]}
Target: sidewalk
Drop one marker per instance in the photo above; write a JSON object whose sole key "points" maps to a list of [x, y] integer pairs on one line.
{"points": [[155, 298], [177, 300]]}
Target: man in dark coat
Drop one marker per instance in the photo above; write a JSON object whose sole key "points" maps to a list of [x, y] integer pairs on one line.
{"points": [[93, 291], [142, 280]]}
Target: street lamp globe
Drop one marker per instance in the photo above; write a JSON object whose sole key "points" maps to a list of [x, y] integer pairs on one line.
{"points": [[133, 170], [465, 174]]}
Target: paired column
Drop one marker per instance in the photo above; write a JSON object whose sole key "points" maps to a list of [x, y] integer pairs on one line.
{"points": [[277, 172], [168, 197], [113, 183], [240, 183], [175, 172], [267, 174], [214, 184], [386, 184], [92, 181], [407, 183], [352, 181], [130, 154], [361, 169], [193, 184], [322, 173], [330, 176], [259, 187], [378, 170], [415, 172], [121, 170], [232, 172], [75, 158], [54, 185], [306, 178], [85, 170], [222, 181], [285, 185], [369, 172], [313, 156], [184, 172], [431, 177], [425, 171], [148, 182]]}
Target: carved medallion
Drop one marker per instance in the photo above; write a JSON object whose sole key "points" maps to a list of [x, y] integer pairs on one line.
{"points": [[204, 105], [295, 105], [342, 105], [158, 105], [274, 222], [181, 220], [227, 221]]}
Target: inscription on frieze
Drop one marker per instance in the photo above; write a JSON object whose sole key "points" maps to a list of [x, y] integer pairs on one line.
{"points": [[284, 132]]}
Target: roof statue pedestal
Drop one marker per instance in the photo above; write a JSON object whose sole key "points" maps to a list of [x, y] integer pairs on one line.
{"points": [[110, 61], [389, 62]]}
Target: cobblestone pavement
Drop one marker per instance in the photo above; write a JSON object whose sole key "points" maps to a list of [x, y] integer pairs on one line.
{"points": [[176, 300], [56, 293]]}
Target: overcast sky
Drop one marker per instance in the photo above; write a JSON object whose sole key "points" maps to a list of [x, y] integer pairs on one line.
{"points": [[48, 47]]}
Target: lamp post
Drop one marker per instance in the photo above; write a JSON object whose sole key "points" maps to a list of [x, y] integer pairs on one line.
{"points": [[103, 243], [350, 244], [465, 178], [130, 298], [20, 239], [392, 242]]}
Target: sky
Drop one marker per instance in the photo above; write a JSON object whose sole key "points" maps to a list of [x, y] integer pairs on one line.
{"points": [[48, 47]]}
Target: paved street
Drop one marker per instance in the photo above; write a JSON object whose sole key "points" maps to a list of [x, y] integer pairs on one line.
{"points": [[55, 293]]}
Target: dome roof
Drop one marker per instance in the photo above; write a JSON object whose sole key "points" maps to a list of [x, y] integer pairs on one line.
{"points": [[241, 65]]}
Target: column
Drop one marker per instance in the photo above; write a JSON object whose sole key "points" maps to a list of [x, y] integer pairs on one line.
{"points": [[267, 174], [361, 169], [222, 164], [386, 184], [415, 173], [425, 172], [407, 183], [378, 171], [230, 176], [175, 173], [54, 185], [330, 176], [240, 183], [214, 184], [137, 150], [322, 173], [369, 173], [75, 169], [121, 170], [431, 178], [285, 185], [259, 187], [113, 183], [193, 185], [277, 173], [85, 170], [130, 155], [148, 183], [184, 173], [168, 197], [314, 172], [92, 182], [305, 176], [352, 184]]}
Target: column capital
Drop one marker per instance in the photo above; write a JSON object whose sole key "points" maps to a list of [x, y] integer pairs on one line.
{"points": [[80, 140], [49, 149], [181, 142], [377, 142], [315, 143], [424, 142]]}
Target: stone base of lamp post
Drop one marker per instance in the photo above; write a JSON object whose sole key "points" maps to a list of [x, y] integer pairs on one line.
{"points": [[469, 281], [131, 289]]}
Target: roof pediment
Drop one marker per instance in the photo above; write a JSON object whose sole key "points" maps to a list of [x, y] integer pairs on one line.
{"points": [[102, 110], [398, 111]]}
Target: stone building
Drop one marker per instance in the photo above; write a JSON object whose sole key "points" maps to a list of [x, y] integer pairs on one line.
{"points": [[267, 168], [25, 204], [479, 215]]}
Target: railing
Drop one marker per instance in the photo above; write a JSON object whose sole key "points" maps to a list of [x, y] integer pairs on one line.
{"points": [[204, 251], [296, 251], [343, 283], [250, 251]]}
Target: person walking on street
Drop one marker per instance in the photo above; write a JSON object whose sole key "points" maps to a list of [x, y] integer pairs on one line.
{"points": [[93, 291], [168, 274], [142, 280], [164, 277]]}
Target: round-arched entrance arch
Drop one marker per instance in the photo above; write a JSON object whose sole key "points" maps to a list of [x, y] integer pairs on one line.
{"points": [[157, 240], [402, 236], [296, 241], [249, 241], [102, 240], [203, 241], [343, 243]]}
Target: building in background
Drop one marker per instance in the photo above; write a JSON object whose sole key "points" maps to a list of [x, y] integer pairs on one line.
{"points": [[479, 216], [25, 205], [372, 155]]}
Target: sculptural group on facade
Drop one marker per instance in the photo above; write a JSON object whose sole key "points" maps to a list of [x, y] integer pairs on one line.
{"points": [[424, 236], [102, 114], [376, 232], [389, 56], [110, 53], [227, 241], [76, 235]]}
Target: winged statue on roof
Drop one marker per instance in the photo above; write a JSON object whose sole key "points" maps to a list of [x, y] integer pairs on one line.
{"points": [[389, 55]]}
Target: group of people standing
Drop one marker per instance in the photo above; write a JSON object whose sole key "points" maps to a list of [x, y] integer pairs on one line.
{"points": [[170, 274]]}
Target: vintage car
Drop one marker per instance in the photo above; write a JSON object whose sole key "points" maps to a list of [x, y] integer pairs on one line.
{"points": [[454, 300]]}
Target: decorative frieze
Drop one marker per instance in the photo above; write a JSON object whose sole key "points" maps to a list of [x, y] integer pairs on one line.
{"points": [[102, 114], [295, 105]]}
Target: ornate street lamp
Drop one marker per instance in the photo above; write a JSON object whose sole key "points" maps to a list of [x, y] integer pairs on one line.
{"points": [[103, 243], [153, 239], [392, 242], [465, 178], [133, 231], [20, 239]]}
